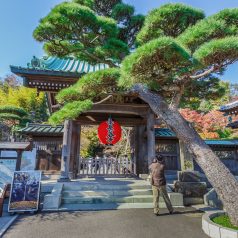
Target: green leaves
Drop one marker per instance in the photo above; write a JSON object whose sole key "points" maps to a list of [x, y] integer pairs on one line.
{"points": [[12, 114], [90, 86], [205, 31], [9, 116], [220, 25], [160, 61], [176, 42], [168, 20], [13, 110], [230, 16], [79, 97], [73, 29], [87, 3], [122, 11], [218, 52], [70, 111]]}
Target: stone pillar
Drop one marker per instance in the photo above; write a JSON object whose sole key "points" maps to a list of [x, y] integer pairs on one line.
{"points": [[186, 159], [150, 137], [65, 159]]}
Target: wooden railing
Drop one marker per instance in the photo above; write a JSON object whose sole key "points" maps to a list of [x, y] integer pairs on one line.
{"points": [[105, 166]]}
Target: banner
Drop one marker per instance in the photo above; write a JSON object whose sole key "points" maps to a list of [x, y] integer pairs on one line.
{"points": [[25, 191]]}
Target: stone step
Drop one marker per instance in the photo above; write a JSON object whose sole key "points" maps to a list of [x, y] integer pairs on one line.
{"points": [[107, 199], [109, 186], [73, 193], [101, 206], [108, 206], [176, 199]]}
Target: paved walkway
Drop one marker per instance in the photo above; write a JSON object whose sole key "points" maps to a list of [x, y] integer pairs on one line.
{"points": [[6, 219], [131, 223]]}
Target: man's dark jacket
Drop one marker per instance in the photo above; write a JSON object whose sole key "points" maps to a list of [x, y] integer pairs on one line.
{"points": [[157, 174]]}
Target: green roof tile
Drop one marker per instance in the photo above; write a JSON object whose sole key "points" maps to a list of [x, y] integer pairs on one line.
{"points": [[42, 129], [69, 65], [58, 65], [229, 106], [47, 130], [164, 132]]}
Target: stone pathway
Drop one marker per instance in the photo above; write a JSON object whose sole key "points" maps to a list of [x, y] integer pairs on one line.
{"points": [[131, 223]]}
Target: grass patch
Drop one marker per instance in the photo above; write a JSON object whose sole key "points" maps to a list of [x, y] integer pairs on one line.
{"points": [[224, 220]]}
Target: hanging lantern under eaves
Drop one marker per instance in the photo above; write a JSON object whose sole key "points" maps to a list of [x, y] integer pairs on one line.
{"points": [[109, 132]]}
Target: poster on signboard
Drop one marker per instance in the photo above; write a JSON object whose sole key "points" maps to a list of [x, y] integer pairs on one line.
{"points": [[25, 191]]}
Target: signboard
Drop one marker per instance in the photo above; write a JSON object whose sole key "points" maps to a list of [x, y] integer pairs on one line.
{"points": [[7, 168], [9, 153], [9, 163], [25, 191], [28, 160]]}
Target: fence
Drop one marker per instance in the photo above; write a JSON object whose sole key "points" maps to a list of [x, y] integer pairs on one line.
{"points": [[105, 166]]}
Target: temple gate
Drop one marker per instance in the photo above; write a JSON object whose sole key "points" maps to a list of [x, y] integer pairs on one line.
{"points": [[50, 75]]}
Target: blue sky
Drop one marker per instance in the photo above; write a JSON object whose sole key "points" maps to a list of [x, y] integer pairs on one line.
{"points": [[18, 19]]}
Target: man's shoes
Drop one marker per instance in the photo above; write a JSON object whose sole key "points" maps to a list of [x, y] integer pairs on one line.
{"points": [[157, 214], [171, 212]]}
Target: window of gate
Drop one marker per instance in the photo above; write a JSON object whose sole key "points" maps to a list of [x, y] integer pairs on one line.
{"points": [[105, 166]]}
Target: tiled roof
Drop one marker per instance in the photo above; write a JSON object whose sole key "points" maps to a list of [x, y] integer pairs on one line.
{"points": [[164, 132], [65, 65], [15, 146], [70, 65], [229, 106], [233, 125], [222, 142], [42, 129]]}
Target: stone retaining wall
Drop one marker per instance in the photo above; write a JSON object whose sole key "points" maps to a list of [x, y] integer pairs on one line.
{"points": [[214, 230]]}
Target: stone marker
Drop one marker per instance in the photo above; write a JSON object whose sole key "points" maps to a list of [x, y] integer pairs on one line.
{"points": [[191, 189]]}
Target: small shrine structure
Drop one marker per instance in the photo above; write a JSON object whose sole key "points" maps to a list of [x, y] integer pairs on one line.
{"points": [[231, 110]]}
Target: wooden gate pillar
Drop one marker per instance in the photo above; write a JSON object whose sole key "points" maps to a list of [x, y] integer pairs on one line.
{"points": [[133, 150], [65, 159], [141, 150], [75, 150], [150, 137], [18, 162]]}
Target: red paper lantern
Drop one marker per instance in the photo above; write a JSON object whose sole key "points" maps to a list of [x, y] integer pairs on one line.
{"points": [[109, 132]]}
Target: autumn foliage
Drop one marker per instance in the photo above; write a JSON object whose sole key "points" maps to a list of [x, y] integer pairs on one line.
{"points": [[209, 125]]}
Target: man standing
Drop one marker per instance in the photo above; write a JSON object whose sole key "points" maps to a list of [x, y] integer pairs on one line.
{"points": [[158, 183]]}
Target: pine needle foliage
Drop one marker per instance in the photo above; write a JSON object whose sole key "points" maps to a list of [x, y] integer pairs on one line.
{"points": [[168, 20], [176, 43], [70, 110]]}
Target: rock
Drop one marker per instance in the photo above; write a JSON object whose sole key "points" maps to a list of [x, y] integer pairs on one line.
{"points": [[211, 199], [191, 189], [189, 176]]}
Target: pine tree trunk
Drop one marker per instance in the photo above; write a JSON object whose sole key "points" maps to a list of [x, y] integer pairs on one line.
{"points": [[217, 173]]}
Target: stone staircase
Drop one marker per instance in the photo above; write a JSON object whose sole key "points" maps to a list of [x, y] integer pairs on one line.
{"points": [[50, 175], [110, 193]]}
